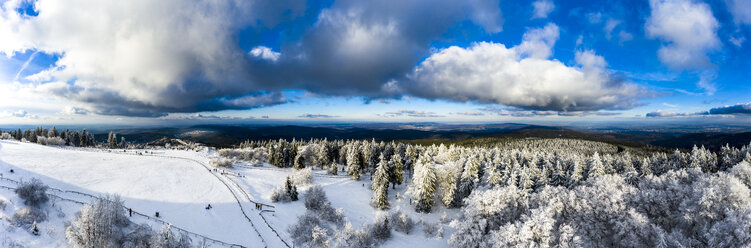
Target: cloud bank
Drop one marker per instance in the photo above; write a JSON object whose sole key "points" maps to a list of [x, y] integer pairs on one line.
{"points": [[522, 76]]}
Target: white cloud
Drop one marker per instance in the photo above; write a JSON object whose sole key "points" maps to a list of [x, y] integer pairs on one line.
{"points": [[19, 114], [315, 116], [470, 113], [609, 26], [265, 53], [538, 43], [661, 113], [706, 83], [624, 37], [412, 113], [492, 73], [167, 55], [542, 8], [737, 40], [741, 10], [70, 110], [688, 29]]}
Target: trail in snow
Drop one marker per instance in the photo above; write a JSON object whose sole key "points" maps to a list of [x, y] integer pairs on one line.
{"points": [[179, 191]]}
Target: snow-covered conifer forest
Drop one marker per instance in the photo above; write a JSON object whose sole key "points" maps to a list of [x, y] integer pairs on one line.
{"points": [[531, 192]]}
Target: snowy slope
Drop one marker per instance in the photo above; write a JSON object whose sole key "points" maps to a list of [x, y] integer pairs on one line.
{"points": [[178, 189], [179, 185]]}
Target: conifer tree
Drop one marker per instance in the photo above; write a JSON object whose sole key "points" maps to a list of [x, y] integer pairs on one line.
{"points": [[380, 185], [353, 163], [396, 175], [424, 184], [596, 168]]}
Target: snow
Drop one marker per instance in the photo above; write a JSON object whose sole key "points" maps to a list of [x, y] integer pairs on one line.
{"points": [[178, 189], [178, 185]]}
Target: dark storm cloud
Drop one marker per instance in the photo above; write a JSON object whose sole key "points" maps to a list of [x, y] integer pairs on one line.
{"points": [[742, 108], [356, 47]]}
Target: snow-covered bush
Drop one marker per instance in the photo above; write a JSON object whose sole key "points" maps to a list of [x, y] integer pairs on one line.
{"points": [[381, 230], [303, 176], [55, 141], [33, 192], [221, 163], [430, 229], [255, 156], [50, 141], [315, 198], [742, 171], [302, 230], [99, 224], [401, 222], [285, 193], [316, 227], [680, 208], [358, 238], [5, 136], [140, 237], [167, 239], [27, 216]]}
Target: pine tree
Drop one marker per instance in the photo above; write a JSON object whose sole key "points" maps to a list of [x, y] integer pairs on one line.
{"points": [[577, 173], [410, 155], [112, 140], [424, 184], [380, 185], [353, 163], [323, 155], [645, 170], [596, 168], [291, 189], [396, 175], [299, 162]]}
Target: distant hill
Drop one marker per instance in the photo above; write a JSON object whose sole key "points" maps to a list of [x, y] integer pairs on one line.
{"points": [[712, 141], [226, 136]]}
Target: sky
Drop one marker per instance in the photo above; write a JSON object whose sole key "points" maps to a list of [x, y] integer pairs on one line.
{"points": [[242, 61]]}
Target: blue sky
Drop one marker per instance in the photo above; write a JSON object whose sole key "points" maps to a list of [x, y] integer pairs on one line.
{"points": [[388, 61]]}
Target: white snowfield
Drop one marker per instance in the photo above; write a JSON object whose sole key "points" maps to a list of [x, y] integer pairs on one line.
{"points": [[178, 189]]}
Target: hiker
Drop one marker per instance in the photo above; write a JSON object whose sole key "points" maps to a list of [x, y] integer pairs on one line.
{"points": [[209, 206], [130, 212], [157, 214], [260, 206]]}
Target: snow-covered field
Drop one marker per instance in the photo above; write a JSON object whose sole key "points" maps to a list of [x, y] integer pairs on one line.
{"points": [[178, 185], [178, 189]]}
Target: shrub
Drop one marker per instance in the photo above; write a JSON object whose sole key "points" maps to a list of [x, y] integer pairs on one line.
{"points": [[5, 136], [221, 163], [315, 198], [279, 195], [303, 176], [139, 237], [302, 230], [401, 222], [55, 141], [330, 214], [381, 230], [167, 239], [33, 192], [286, 193], [430, 229], [99, 224], [27, 216], [359, 238]]}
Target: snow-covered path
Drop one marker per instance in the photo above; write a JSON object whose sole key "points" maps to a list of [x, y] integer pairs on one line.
{"points": [[178, 189]]}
